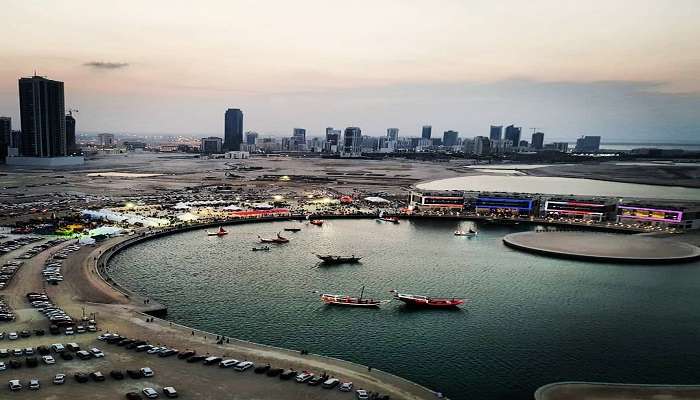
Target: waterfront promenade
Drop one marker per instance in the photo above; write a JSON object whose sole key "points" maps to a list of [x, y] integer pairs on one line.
{"points": [[616, 391]]}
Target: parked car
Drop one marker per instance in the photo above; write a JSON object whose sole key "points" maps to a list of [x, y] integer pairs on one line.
{"points": [[15, 385], [184, 354], [274, 372], [69, 356], [147, 372], [83, 355], [361, 394], [195, 359], [97, 353], [116, 374], [225, 363], [345, 387], [261, 369], [48, 360], [134, 373], [330, 383], [288, 374], [133, 396], [242, 366], [34, 384], [81, 377], [212, 360], [97, 376], [59, 379], [304, 377], [170, 391], [316, 380], [73, 347], [150, 393]]}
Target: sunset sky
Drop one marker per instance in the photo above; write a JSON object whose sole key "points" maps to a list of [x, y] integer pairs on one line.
{"points": [[626, 70]]}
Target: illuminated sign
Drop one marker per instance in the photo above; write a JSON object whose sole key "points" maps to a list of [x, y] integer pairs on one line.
{"points": [[650, 214], [502, 202]]}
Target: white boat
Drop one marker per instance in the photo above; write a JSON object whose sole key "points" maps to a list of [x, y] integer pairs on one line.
{"points": [[470, 232]]}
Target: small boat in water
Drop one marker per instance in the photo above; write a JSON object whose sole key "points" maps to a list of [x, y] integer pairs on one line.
{"points": [[470, 232], [220, 232], [331, 259], [317, 222], [343, 300], [382, 218], [292, 229], [427, 302], [261, 248], [278, 240]]}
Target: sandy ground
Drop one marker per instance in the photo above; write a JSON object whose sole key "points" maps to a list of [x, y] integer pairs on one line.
{"points": [[612, 391], [84, 289]]}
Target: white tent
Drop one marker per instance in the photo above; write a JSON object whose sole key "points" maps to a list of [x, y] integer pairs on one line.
{"points": [[374, 199]]}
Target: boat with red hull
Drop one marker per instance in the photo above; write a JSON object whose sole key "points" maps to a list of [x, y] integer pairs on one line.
{"points": [[427, 302], [220, 232], [317, 222]]}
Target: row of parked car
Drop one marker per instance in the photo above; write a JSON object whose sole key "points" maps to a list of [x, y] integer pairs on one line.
{"points": [[14, 244], [191, 356], [6, 313], [52, 267], [39, 248], [8, 271], [46, 355]]}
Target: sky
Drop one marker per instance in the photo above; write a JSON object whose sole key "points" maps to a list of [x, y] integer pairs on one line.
{"points": [[628, 70]]}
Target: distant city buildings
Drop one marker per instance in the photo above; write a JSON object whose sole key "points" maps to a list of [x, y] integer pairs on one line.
{"points": [[42, 115], [5, 137], [211, 145], [352, 142], [427, 130], [233, 129], [299, 139], [392, 134], [106, 140], [496, 132], [71, 146], [537, 141], [332, 140], [450, 138], [251, 138], [513, 134], [587, 144]]}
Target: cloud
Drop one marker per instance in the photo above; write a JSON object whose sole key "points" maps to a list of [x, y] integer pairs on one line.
{"points": [[106, 65]]}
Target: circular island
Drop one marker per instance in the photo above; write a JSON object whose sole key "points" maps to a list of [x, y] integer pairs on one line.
{"points": [[603, 247]]}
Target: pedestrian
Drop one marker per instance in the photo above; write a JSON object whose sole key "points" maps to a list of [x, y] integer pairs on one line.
{"points": [[192, 333], [369, 368]]}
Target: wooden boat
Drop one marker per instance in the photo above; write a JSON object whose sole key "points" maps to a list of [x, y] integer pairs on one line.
{"points": [[343, 300], [220, 232], [317, 222], [427, 302], [278, 240], [262, 248], [292, 229], [331, 259]]}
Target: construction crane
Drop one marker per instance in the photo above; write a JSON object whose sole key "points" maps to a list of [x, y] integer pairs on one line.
{"points": [[72, 110], [535, 129]]}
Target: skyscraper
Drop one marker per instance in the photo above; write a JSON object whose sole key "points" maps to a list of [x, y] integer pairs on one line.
{"points": [[70, 134], [299, 137], [233, 129], [513, 134], [449, 138], [43, 117], [210, 145], [589, 144], [427, 130], [537, 141], [251, 137], [332, 139], [392, 134], [352, 142], [482, 146], [496, 132]]}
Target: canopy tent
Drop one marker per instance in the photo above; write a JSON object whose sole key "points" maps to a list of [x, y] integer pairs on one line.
{"points": [[374, 199]]}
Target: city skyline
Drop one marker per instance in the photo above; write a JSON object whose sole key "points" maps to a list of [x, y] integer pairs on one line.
{"points": [[624, 71]]}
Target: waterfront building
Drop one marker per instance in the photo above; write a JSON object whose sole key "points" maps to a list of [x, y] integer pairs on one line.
{"points": [[594, 209], [503, 205], [496, 132], [70, 134], [513, 134], [42, 116], [233, 129], [427, 131], [587, 144], [482, 146], [450, 138], [251, 137], [558, 146], [441, 199], [352, 142], [299, 139], [392, 134], [106, 139], [537, 142], [211, 145], [663, 215], [132, 145]]}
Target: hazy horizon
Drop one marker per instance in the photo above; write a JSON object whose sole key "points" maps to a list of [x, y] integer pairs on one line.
{"points": [[625, 70]]}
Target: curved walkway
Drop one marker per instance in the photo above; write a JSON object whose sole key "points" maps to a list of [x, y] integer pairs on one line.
{"points": [[617, 391], [604, 247]]}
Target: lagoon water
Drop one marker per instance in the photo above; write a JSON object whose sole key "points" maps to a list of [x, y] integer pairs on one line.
{"points": [[529, 320]]}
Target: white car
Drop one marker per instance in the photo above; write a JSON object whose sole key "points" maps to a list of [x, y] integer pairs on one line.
{"points": [[240, 367], [228, 363], [147, 372], [97, 353], [361, 394], [2, 366], [58, 348], [156, 350], [13, 336], [48, 360], [150, 393], [304, 376], [345, 387], [15, 385], [34, 384], [59, 379]]}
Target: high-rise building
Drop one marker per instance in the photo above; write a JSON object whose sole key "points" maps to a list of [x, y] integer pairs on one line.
{"points": [[496, 132], [392, 134], [233, 129], [588, 144], [450, 138], [537, 140], [5, 137], [299, 138], [251, 137], [523, 144], [210, 145], [482, 146], [332, 140], [427, 130], [352, 142], [70, 134], [513, 134], [561, 146], [43, 117], [106, 139]]}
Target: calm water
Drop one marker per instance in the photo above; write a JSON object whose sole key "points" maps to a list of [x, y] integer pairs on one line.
{"points": [[564, 186], [529, 321]]}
